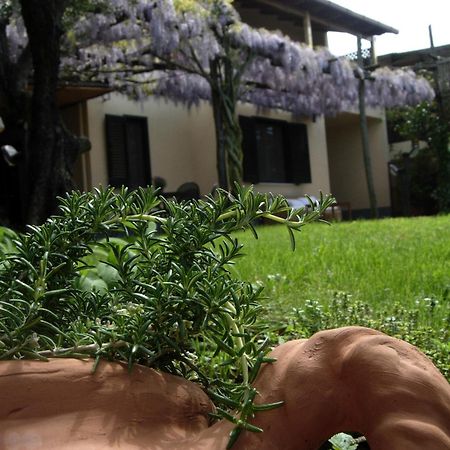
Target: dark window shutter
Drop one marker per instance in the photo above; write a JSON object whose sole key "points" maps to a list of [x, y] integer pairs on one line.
{"points": [[249, 148], [270, 145], [128, 151], [116, 150], [136, 138], [298, 168]]}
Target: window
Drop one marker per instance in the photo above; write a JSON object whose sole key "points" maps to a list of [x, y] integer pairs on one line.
{"points": [[128, 151], [275, 151]]}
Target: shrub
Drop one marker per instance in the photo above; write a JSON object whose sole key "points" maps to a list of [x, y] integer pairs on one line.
{"points": [[427, 325], [135, 278]]}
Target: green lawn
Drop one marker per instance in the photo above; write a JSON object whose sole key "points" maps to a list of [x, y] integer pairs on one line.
{"points": [[392, 274]]}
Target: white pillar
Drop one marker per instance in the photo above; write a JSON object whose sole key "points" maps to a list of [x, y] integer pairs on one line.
{"points": [[308, 30], [373, 53]]}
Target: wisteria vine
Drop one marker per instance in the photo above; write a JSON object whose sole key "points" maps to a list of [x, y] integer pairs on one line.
{"points": [[166, 47]]}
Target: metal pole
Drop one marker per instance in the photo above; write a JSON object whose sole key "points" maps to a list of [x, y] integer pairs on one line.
{"points": [[430, 33], [365, 136]]}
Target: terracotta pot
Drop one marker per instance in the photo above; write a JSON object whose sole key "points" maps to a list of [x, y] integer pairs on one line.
{"points": [[349, 379]]}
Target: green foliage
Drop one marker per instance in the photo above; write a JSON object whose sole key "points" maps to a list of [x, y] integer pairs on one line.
{"points": [[6, 8], [426, 122], [424, 175], [427, 325], [134, 278], [416, 123], [7, 238], [342, 441]]}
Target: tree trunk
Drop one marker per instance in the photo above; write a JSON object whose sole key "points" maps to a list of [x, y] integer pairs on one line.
{"points": [[228, 131], [14, 107], [52, 151]]}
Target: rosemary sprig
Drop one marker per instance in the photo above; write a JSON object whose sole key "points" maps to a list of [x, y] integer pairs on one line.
{"points": [[130, 276]]}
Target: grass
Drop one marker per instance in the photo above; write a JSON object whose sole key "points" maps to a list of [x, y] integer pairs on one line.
{"points": [[392, 274], [380, 262]]}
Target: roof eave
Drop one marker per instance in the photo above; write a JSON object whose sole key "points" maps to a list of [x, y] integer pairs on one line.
{"points": [[376, 26], [328, 15]]}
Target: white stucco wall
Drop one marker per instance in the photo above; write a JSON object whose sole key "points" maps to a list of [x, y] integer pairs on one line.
{"points": [[169, 134], [347, 173], [182, 143]]}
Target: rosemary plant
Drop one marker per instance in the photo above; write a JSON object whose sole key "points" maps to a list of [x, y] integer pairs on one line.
{"points": [[132, 277]]}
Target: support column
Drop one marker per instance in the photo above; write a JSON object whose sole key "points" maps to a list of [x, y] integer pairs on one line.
{"points": [[308, 30], [373, 54]]}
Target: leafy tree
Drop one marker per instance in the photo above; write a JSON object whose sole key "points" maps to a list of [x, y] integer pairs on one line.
{"points": [[425, 122], [183, 49], [31, 36]]}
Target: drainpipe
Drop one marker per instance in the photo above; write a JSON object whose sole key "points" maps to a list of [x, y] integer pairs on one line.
{"points": [[430, 34]]}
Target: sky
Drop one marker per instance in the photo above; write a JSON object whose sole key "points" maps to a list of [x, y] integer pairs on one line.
{"points": [[410, 17]]}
